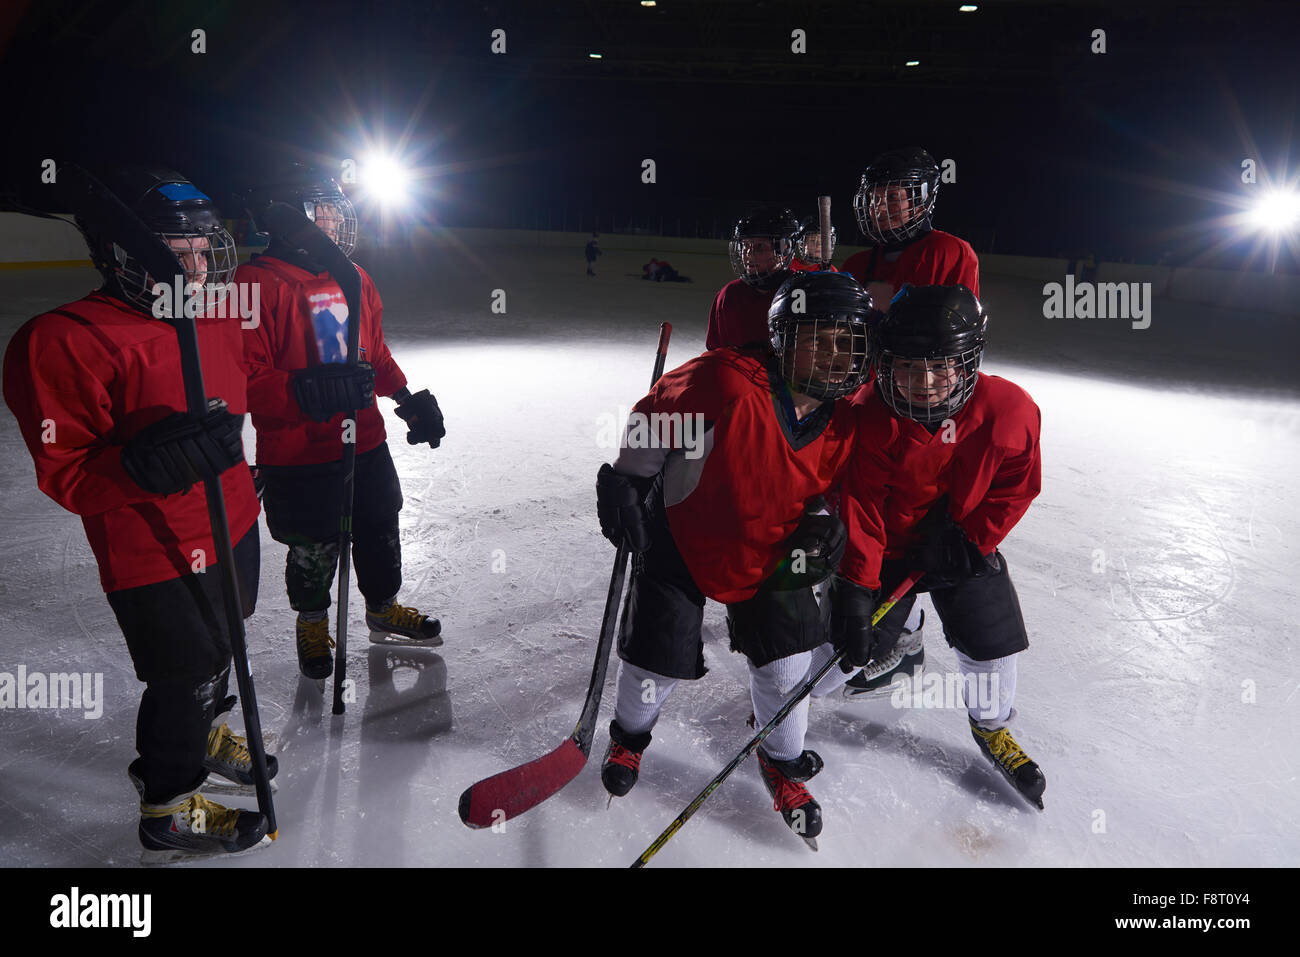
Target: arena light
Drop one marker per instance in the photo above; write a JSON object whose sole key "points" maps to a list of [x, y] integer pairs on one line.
{"points": [[912, 63], [384, 179], [1276, 211], [968, 8], [594, 56]]}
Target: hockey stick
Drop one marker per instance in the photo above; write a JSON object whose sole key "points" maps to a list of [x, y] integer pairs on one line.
{"points": [[768, 728], [97, 203], [824, 224], [300, 232], [511, 793]]}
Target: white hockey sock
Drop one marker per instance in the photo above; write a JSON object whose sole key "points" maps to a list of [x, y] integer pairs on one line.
{"points": [[770, 688], [990, 690], [641, 696]]}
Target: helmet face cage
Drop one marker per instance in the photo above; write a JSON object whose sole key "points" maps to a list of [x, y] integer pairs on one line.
{"points": [[336, 217], [894, 210], [824, 356], [207, 254], [928, 389], [810, 242], [760, 259]]}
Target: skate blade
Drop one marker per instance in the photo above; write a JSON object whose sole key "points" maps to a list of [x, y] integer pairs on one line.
{"points": [[388, 638], [811, 842], [150, 858]]}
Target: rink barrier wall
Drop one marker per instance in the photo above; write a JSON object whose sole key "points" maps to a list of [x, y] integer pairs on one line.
{"points": [[27, 242]]}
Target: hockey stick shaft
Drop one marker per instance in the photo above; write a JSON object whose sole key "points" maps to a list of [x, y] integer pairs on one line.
{"points": [[904, 587], [502, 796], [824, 227]]}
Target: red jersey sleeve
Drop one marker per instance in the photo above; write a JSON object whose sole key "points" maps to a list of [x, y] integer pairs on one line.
{"points": [[389, 377], [864, 502], [270, 390], [64, 412], [713, 339], [1015, 484]]}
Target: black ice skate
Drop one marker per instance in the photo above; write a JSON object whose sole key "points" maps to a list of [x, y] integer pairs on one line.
{"points": [[1000, 748], [315, 658], [622, 764], [876, 680], [396, 624], [190, 825], [228, 758], [784, 781]]}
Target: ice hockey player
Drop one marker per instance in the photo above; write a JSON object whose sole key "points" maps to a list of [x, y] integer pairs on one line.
{"points": [[97, 389], [808, 248], [945, 463], [761, 248], [893, 206], [300, 389], [740, 523], [592, 251]]}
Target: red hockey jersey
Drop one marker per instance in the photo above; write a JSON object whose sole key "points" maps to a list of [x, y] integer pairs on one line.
{"points": [[739, 316], [990, 468], [84, 379], [798, 265], [295, 306], [736, 488], [937, 259]]}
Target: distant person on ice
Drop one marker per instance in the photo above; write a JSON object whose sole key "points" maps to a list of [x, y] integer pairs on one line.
{"points": [[706, 528], [97, 389], [592, 252], [299, 391], [656, 270]]}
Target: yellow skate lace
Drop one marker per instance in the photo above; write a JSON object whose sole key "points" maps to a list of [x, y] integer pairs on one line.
{"points": [[229, 748], [201, 815], [1003, 747], [207, 817], [400, 616], [314, 640]]}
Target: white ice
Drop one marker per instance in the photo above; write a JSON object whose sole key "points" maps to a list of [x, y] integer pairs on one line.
{"points": [[1157, 572]]}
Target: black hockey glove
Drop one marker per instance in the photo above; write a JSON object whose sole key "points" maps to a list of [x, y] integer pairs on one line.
{"points": [[943, 551], [174, 453], [851, 609], [325, 390], [813, 552], [423, 418], [620, 505]]}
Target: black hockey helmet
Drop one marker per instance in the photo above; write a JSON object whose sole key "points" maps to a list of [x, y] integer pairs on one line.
{"points": [[317, 194], [770, 230], [810, 229], [927, 351], [819, 322], [173, 208], [895, 199]]}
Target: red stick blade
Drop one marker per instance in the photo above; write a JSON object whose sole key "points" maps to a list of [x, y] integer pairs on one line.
{"points": [[511, 793]]}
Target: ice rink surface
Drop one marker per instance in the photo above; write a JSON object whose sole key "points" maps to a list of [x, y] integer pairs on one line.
{"points": [[1157, 573]]}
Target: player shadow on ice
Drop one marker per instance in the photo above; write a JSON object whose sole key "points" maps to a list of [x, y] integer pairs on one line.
{"points": [[976, 776]]}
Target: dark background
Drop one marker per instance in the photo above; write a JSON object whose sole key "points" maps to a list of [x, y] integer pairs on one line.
{"points": [[1133, 154]]}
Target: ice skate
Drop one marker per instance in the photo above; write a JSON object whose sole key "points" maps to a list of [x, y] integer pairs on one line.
{"points": [[190, 826], [402, 625], [785, 782], [1000, 748], [315, 659], [231, 765], [876, 680], [622, 765]]}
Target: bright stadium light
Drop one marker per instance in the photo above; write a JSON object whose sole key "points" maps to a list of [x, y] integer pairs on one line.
{"points": [[968, 8], [912, 63], [1276, 211], [384, 179]]}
